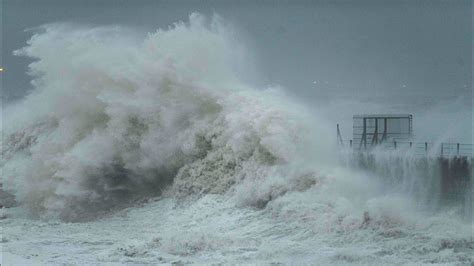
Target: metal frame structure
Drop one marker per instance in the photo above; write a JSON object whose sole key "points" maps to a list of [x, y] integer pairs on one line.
{"points": [[403, 140], [383, 131]]}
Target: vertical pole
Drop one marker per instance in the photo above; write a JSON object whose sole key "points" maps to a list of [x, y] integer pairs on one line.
{"points": [[411, 144], [339, 137], [365, 133], [350, 143], [395, 145], [410, 125], [441, 149], [457, 149], [375, 137], [384, 135], [426, 147]]}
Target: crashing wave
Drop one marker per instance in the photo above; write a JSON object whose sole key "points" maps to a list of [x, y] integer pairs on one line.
{"points": [[115, 117]]}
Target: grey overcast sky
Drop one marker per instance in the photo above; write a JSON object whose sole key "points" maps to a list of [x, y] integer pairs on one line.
{"points": [[372, 48]]}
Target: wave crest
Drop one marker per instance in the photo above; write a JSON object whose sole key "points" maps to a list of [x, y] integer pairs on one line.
{"points": [[115, 117]]}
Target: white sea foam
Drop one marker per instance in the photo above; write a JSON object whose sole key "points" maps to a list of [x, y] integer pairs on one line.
{"points": [[244, 173], [113, 118]]}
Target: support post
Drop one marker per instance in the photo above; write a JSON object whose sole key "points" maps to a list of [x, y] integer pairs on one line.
{"points": [[426, 147], [384, 135], [395, 145], [350, 143], [363, 139], [339, 137], [457, 149], [375, 137], [365, 133], [441, 149]]}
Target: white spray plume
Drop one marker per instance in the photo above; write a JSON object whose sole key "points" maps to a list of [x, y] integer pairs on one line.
{"points": [[114, 117]]}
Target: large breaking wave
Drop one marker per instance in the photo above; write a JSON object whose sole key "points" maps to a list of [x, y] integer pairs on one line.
{"points": [[116, 116]]}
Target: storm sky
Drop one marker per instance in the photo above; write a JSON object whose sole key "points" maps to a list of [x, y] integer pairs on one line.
{"points": [[350, 47]]}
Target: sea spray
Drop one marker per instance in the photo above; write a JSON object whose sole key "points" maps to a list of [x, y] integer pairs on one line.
{"points": [[244, 174], [113, 119], [432, 183]]}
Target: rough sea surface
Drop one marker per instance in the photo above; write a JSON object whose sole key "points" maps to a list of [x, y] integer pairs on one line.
{"points": [[151, 149]]}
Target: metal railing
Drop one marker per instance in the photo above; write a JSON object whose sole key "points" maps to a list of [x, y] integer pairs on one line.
{"points": [[443, 149]]}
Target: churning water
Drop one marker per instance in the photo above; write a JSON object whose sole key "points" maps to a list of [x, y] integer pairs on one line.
{"points": [[151, 148]]}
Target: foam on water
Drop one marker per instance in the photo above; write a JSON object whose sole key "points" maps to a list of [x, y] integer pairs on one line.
{"points": [[244, 173], [114, 118]]}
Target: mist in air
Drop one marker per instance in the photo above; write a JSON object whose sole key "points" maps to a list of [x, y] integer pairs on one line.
{"points": [[205, 132]]}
